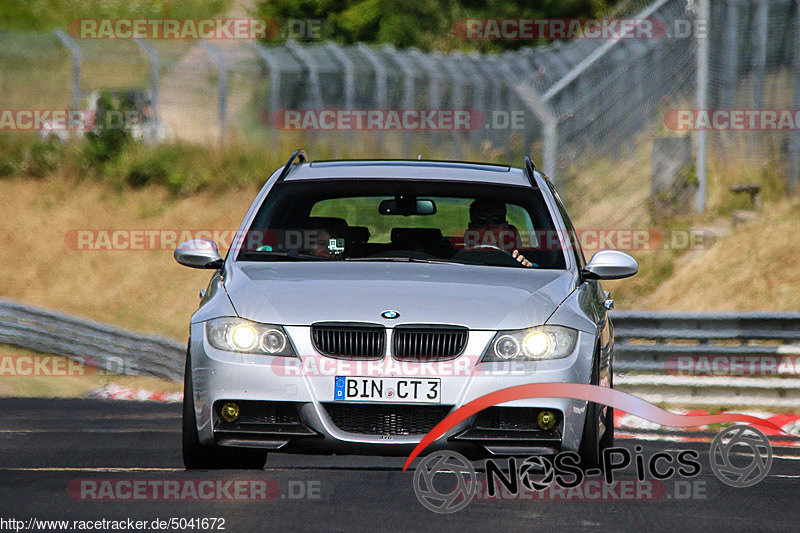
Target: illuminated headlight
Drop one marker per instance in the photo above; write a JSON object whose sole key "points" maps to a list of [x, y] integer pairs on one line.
{"points": [[237, 335], [542, 342]]}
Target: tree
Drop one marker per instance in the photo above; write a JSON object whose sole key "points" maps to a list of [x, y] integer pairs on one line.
{"points": [[426, 24]]}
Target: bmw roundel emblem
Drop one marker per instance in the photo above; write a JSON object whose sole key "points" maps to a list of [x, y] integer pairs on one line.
{"points": [[390, 314]]}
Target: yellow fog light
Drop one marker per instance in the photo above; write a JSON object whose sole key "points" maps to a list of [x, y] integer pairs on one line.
{"points": [[546, 419], [230, 412], [244, 337]]}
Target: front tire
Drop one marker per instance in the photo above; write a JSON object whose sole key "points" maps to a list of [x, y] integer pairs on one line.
{"points": [[592, 444], [197, 456]]}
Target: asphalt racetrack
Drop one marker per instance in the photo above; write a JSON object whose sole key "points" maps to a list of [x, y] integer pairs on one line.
{"points": [[48, 448]]}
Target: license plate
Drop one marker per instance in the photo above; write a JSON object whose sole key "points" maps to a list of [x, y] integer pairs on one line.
{"points": [[365, 389]]}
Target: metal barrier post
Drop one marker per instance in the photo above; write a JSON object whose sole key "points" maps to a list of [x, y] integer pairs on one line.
{"points": [[794, 143], [153, 57], [380, 82], [702, 103], [73, 48], [313, 73], [408, 89], [549, 121], [222, 69], [274, 78]]}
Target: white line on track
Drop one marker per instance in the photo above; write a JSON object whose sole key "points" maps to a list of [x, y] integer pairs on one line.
{"points": [[85, 469], [124, 430]]}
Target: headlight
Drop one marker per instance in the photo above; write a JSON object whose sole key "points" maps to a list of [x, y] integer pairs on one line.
{"points": [[542, 342], [237, 335]]}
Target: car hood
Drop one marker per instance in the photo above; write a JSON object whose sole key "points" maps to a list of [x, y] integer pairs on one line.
{"points": [[478, 297]]}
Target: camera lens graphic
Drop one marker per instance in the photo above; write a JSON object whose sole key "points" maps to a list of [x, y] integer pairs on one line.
{"points": [[731, 449], [453, 467]]}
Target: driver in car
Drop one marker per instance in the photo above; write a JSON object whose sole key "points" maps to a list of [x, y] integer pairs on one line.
{"points": [[488, 227]]}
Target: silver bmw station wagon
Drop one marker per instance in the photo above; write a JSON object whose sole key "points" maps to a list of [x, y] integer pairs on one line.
{"points": [[363, 301]]}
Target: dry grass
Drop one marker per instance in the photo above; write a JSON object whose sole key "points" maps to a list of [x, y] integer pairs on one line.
{"points": [[141, 290], [753, 268]]}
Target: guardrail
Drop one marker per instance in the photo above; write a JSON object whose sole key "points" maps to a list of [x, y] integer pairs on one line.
{"points": [[699, 359], [656, 354], [112, 349]]}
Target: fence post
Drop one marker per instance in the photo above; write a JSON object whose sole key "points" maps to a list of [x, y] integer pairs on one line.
{"points": [[794, 143], [435, 80], [760, 53], [380, 74], [457, 100], [730, 54], [380, 83], [478, 93], [409, 78], [702, 103], [222, 84], [492, 103], [514, 70], [349, 74], [313, 73], [274, 79], [153, 57], [549, 122], [73, 48]]}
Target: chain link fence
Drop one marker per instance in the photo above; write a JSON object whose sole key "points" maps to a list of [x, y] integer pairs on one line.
{"points": [[563, 102]]}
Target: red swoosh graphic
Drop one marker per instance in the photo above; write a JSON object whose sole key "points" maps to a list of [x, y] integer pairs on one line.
{"points": [[578, 391]]}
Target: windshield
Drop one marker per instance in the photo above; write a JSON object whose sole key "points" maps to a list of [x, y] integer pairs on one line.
{"points": [[384, 220]]}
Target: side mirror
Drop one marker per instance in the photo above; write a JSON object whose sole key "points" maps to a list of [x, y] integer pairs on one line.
{"points": [[610, 264], [199, 253]]}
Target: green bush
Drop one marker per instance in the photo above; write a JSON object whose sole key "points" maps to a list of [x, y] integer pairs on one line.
{"points": [[149, 171], [43, 158], [109, 139]]}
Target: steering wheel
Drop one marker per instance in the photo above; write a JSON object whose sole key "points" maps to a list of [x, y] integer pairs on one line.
{"points": [[508, 257], [491, 247]]}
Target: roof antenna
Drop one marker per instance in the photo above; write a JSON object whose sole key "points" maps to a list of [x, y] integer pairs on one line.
{"points": [[419, 157]]}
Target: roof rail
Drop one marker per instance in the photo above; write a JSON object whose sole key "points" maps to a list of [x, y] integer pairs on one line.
{"points": [[297, 154], [530, 168]]}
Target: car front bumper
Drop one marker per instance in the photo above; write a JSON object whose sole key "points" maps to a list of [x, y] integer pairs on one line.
{"points": [[308, 383]]}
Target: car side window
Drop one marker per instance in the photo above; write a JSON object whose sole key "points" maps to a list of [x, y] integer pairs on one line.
{"points": [[575, 243]]}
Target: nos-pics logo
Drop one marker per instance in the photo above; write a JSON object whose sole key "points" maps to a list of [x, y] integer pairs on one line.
{"points": [[446, 481]]}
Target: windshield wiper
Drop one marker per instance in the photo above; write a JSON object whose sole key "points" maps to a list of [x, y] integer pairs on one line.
{"points": [[289, 254], [405, 260]]}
